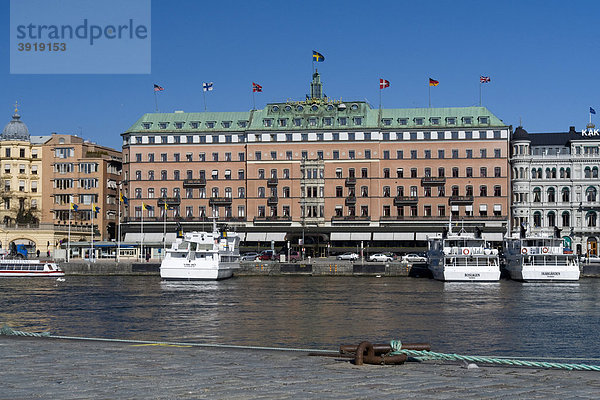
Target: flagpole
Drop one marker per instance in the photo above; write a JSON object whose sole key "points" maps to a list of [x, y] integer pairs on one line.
{"points": [[480, 85], [204, 97], [92, 254], [142, 235], [155, 101], [165, 231], [380, 90], [429, 95], [69, 237], [253, 101], [119, 229]]}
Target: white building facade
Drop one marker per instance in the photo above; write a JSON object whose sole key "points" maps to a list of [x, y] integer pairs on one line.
{"points": [[555, 184]]}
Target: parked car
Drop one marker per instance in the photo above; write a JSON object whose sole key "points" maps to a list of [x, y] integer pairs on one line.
{"points": [[266, 255], [414, 258], [347, 256], [249, 256], [294, 256], [380, 257]]}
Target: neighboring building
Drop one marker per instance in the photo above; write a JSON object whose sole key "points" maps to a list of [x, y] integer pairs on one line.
{"points": [[82, 173], [334, 173], [555, 183]]}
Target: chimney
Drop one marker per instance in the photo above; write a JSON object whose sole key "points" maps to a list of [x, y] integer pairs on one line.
{"points": [[572, 129]]}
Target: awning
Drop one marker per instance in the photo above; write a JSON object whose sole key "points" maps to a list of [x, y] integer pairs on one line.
{"points": [[256, 236], [454, 208], [340, 236], [493, 236], [149, 237], [404, 236], [497, 207], [483, 207], [383, 236], [276, 236], [360, 236], [423, 235], [469, 208]]}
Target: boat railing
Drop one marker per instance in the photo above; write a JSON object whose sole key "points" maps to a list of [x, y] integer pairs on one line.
{"points": [[542, 250], [550, 261], [471, 262], [468, 251]]}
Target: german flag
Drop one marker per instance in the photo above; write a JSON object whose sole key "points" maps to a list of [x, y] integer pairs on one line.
{"points": [[433, 82]]}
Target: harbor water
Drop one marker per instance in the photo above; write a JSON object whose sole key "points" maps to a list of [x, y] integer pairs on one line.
{"points": [[506, 318]]}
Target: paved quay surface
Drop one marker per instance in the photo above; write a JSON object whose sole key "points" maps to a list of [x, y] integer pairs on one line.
{"points": [[36, 368]]}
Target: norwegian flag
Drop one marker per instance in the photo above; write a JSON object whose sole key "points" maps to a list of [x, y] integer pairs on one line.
{"points": [[484, 79], [383, 83], [158, 88], [256, 87]]}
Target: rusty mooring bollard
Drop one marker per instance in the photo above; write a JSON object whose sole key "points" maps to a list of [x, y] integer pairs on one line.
{"points": [[385, 348], [371, 358]]}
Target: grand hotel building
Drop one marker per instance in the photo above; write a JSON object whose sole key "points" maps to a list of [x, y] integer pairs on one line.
{"points": [[332, 174]]}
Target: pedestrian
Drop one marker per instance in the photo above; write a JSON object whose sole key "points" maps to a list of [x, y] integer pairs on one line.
{"points": [[38, 253], [147, 257]]}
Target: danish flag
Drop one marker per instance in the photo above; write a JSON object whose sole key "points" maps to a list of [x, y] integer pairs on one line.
{"points": [[383, 83]]}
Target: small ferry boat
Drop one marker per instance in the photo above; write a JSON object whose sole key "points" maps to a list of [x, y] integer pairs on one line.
{"points": [[462, 256], [16, 268], [540, 258], [202, 256]]}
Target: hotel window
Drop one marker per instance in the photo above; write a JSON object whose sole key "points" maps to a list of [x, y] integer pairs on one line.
{"points": [[258, 155], [413, 154], [286, 173], [441, 172], [342, 121], [162, 125], [413, 135], [242, 124], [335, 136], [469, 190], [386, 173], [387, 121], [178, 125], [483, 191], [455, 190], [228, 174], [327, 121], [150, 157], [427, 191], [413, 211], [469, 172], [189, 156], [336, 155], [215, 192], [413, 172], [215, 174], [146, 125], [351, 136], [434, 120], [215, 156], [312, 121], [304, 154], [320, 154], [419, 121], [151, 139], [195, 124], [304, 137], [351, 155], [469, 153], [210, 124], [34, 153], [241, 192], [22, 168], [138, 157], [286, 192], [427, 211], [176, 175], [34, 169], [367, 154], [399, 172], [241, 156], [364, 211], [189, 174], [483, 153], [176, 157], [497, 153], [468, 135], [467, 120], [150, 175], [441, 211], [163, 192], [484, 120], [498, 191], [228, 157], [33, 190], [399, 154], [297, 121], [163, 175], [386, 136], [427, 153], [364, 191], [483, 172], [273, 155], [203, 139], [403, 121], [451, 121], [454, 153], [189, 193], [364, 173], [268, 122], [177, 139], [261, 174], [497, 172], [261, 211], [441, 191], [288, 155]]}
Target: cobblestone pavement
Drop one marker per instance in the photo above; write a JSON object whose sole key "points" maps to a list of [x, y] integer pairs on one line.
{"points": [[70, 369]]}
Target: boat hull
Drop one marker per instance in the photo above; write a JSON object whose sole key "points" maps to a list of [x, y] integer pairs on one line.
{"points": [[465, 274], [553, 274], [211, 272], [41, 274]]}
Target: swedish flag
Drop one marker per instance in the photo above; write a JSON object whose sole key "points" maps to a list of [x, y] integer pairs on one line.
{"points": [[318, 57], [74, 206], [147, 207], [95, 208], [123, 199]]}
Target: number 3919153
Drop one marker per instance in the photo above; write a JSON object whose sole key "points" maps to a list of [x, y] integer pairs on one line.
{"points": [[41, 46]]}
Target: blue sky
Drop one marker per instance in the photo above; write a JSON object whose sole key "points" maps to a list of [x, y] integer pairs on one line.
{"points": [[542, 59]]}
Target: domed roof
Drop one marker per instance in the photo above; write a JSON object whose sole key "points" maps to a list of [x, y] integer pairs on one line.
{"points": [[520, 134], [15, 129]]}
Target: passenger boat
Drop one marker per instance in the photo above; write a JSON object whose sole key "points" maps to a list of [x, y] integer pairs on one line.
{"points": [[202, 256], [17, 268], [462, 256], [540, 258]]}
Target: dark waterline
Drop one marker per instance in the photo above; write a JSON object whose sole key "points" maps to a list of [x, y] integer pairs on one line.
{"points": [[505, 319]]}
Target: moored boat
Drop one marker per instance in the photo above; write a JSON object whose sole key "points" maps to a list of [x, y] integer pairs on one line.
{"points": [[202, 256], [21, 268], [462, 256]]}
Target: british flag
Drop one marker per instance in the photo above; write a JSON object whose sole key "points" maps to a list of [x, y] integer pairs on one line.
{"points": [[256, 87], [484, 79]]}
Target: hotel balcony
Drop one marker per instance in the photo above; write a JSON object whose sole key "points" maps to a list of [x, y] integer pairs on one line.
{"points": [[170, 201], [272, 201], [350, 200], [220, 201], [405, 200], [350, 218], [433, 181], [282, 219], [194, 183], [272, 182], [458, 200], [350, 181]]}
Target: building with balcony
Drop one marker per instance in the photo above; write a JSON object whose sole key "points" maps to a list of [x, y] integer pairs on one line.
{"points": [[555, 184], [332, 172], [83, 173]]}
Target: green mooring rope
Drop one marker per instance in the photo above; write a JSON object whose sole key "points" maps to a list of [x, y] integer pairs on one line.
{"points": [[423, 355]]}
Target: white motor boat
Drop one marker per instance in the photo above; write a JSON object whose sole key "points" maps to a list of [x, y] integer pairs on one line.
{"points": [[540, 258], [462, 257], [17, 268], [202, 256]]}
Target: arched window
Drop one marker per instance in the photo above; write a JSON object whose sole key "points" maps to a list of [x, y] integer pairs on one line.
{"points": [[533, 173], [537, 195], [454, 190], [554, 173], [537, 219], [469, 190], [590, 194], [521, 173], [595, 172], [565, 194], [591, 219], [551, 218], [562, 173], [566, 219], [568, 173], [551, 195], [587, 172], [548, 173]]}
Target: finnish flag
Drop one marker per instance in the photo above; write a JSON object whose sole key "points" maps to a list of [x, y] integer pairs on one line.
{"points": [[207, 86]]}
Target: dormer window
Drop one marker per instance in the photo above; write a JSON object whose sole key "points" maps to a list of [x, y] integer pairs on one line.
{"points": [[297, 121], [210, 124], [226, 124], [275, 108], [467, 120], [451, 120], [434, 120], [147, 125], [242, 124], [288, 108], [315, 108], [283, 122], [403, 121], [327, 121], [329, 107], [342, 121], [386, 121], [299, 108], [312, 121], [195, 124], [357, 120], [484, 120], [163, 125], [419, 121], [178, 125]]}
